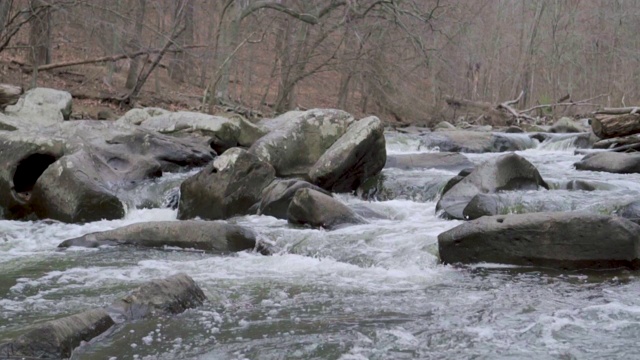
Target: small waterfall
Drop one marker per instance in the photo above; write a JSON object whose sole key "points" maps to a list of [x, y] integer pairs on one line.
{"points": [[566, 142]]}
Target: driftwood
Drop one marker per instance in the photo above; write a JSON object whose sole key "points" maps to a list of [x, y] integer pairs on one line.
{"points": [[606, 127], [619, 111], [9, 95], [618, 141]]}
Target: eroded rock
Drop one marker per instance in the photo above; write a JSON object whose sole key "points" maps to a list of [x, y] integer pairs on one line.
{"points": [[278, 195]]}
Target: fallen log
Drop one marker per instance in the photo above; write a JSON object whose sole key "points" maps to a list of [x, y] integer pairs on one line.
{"points": [[616, 126], [9, 95], [617, 141]]}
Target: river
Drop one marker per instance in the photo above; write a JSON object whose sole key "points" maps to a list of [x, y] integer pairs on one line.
{"points": [[372, 291]]}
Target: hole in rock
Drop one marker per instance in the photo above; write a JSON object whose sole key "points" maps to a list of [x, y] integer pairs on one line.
{"points": [[29, 170]]}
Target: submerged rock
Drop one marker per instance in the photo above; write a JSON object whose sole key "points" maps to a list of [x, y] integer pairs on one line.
{"points": [[278, 195], [209, 236], [227, 187], [296, 146], [567, 240], [357, 155], [313, 208], [505, 172], [171, 295], [56, 339], [613, 162]]}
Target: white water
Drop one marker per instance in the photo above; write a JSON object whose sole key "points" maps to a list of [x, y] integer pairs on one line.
{"points": [[373, 291]]}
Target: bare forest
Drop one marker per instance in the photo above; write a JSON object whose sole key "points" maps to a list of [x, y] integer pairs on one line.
{"points": [[399, 59]]}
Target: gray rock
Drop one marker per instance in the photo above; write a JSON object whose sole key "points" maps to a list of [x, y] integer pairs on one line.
{"points": [[505, 172], [249, 132], [268, 125], [476, 142], [613, 162], [137, 116], [433, 160], [357, 155], [41, 107], [630, 211], [481, 205], [219, 132], [209, 236], [296, 146], [73, 171], [444, 126], [567, 240], [56, 339], [227, 187], [278, 195], [566, 125], [513, 130], [316, 209], [172, 295]]}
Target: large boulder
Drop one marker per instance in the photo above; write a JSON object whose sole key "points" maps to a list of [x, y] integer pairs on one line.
{"points": [[271, 124], [40, 107], [505, 172], [56, 339], [476, 142], [629, 211], [220, 133], [565, 240], [359, 154], [227, 187], [295, 147], [171, 295], [278, 195], [431, 160], [613, 162], [319, 210], [209, 236], [73, 171]]}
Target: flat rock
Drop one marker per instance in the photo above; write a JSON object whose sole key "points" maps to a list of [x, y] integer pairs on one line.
{"points": [[567, 240], [209, 236], [613, 162]]}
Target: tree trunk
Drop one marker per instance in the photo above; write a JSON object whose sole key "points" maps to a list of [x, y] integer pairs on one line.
{"points": [[40, 34], [134, 64], [180, 65], [616, 126], [5, 9]]}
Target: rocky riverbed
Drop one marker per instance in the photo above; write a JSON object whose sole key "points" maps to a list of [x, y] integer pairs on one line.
{"points": [[359, 263]]}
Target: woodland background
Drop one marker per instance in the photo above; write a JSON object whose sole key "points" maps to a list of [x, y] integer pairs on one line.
{"points": [[397, 59]]}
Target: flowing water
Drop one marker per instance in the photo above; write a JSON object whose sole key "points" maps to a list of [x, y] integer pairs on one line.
{"points": [[372, 291]]}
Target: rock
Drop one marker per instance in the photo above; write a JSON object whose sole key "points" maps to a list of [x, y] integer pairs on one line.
{"points": [[106, 114], [209, 236], [249, 132], [172, 295], [533, 128], [220, 133], [41, 107], [566, 240], [505, 172], [56, 339], [316, 209], [295, 147], [268, 125], [137, 116], [440, 160], [476, 142], [513, 130], [70, 190], [481, 205], [74, 171], [566, 125], [278, 195], [227, 187], [613, 162], [630, 211], [444, 126], [357, 155]]}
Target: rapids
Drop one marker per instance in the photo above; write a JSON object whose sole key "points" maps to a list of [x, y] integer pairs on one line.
{"points": [[373, 291]]}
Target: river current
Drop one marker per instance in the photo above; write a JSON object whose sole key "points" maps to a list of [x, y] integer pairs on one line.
{"points": [[372, 291]]}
